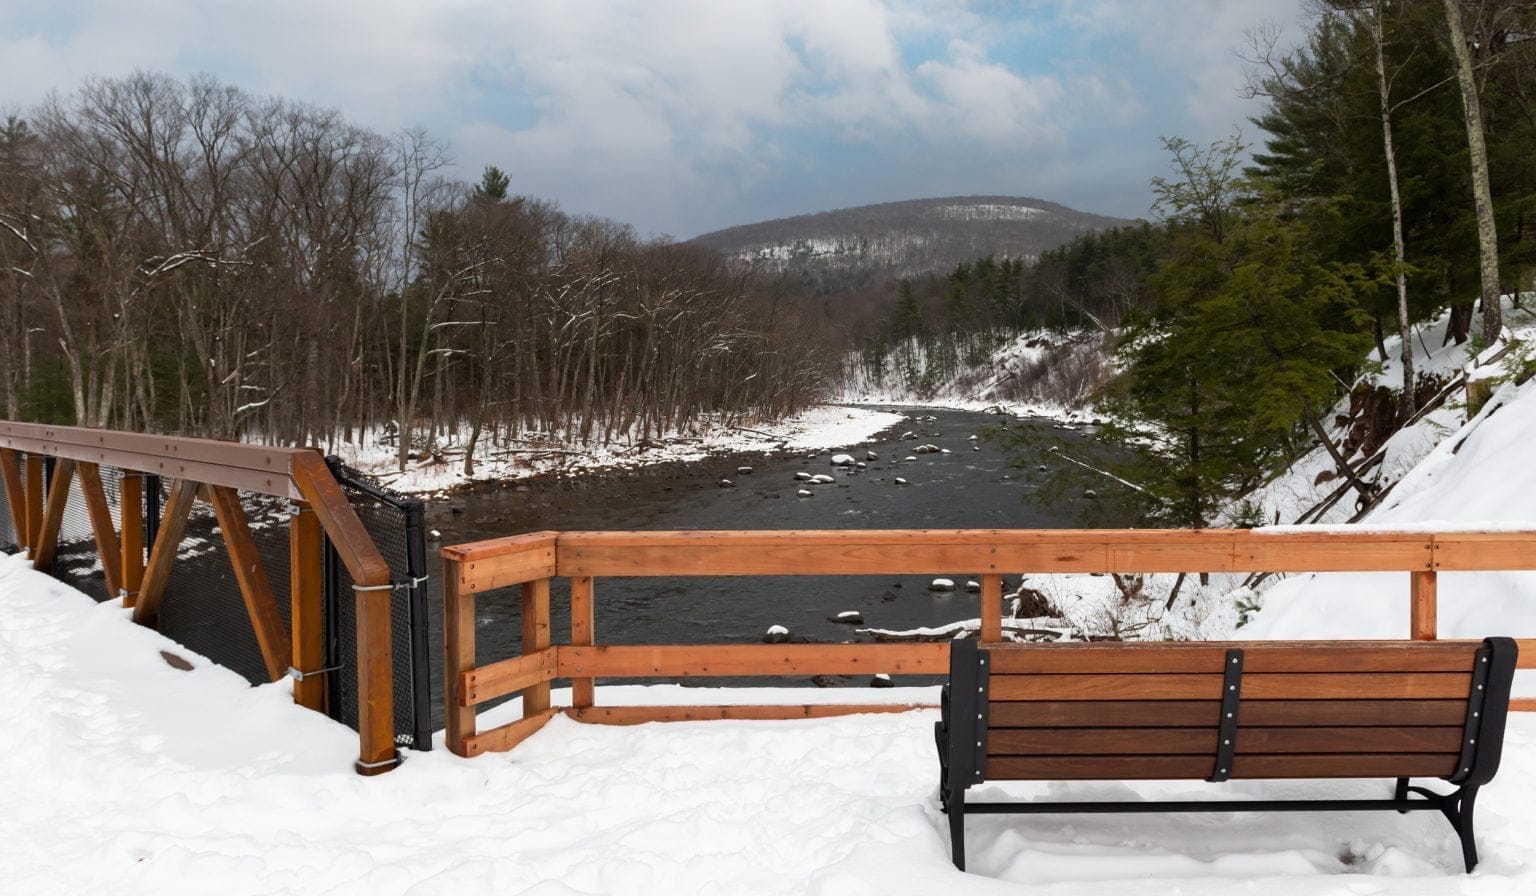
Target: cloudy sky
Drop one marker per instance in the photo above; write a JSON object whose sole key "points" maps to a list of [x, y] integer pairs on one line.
{"points": [[683, 116]]}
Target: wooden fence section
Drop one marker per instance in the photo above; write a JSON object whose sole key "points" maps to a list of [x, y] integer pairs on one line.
{"points": [[216, 470], [530, 561]]}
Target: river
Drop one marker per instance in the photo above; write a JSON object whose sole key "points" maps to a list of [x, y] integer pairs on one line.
{"points": [[973, 486]]}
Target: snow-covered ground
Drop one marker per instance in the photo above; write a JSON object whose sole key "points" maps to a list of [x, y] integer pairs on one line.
{"points": [[121, 774], [825, 426]]}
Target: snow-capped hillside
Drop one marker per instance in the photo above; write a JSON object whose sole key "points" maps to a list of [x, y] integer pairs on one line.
{"points": [[900, 239], [1034, 374]]}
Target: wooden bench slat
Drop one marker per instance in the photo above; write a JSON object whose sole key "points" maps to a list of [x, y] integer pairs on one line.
{"points": [[1345, 765], [1349, 740], [1102, 741], [1361, 686], [1357, 713], [1105, 687], [1080, 768], [1161, 658], [1196, 713], [1202, 741], [1104, 713], [1262, 686]]}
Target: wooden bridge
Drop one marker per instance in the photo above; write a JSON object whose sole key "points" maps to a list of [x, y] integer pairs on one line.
{"points": [[529, 562], [216, 471]]}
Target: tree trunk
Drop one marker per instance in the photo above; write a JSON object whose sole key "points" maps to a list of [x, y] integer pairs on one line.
{"points": [[1482, 195], [1405, 403]]}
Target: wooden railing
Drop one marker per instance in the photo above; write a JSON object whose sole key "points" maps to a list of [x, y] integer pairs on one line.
{"points": [[216, 471], [531, 561]]}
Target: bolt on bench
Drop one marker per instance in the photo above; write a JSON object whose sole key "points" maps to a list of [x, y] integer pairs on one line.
{"points": [[1220, 711]]}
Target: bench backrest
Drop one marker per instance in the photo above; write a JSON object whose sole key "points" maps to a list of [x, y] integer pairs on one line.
{"points": [[1308, 709]]}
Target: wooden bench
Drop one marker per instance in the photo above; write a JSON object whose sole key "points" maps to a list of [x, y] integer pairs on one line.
{"points": [[1219, 711]]}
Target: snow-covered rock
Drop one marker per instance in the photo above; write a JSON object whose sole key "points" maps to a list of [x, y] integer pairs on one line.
{"points": [[942, 585], [842, 460]]}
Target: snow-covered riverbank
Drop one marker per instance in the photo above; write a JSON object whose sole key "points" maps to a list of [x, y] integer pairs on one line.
{"points": [[819, 428]]}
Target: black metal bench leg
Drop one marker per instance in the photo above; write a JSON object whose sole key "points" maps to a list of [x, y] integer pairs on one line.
{"points": [[1401, 794], [957, 831], [1462, 822]]}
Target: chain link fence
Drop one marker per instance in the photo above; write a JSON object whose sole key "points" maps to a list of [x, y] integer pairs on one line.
{"points": [[9, 538], [205, 611]]}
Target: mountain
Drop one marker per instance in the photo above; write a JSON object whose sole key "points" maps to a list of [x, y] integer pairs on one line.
{"points": [[900, 239]]}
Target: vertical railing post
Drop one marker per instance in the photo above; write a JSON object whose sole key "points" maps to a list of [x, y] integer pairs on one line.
{"points": [[306, 596], [583, 630], [991, 608], [130, 496], [1423, 605], [459, 657], [535, 639], [33, 498]]}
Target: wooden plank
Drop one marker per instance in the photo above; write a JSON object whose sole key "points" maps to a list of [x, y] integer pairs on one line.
{"points": [[583, 630], [1258, 656], [499, 740], [1523, 704], [47, 543], [173, 524], [991, 608], [1107, 687], [1102, 741], [251, 576], [1105, 714], [1423, 612], [1355, 739], [684, 661], [1351, 712], [459, 657], [729, 552], [1262, 686], [635, 715], [502, 562], [130, 498], [1363, 686], [32, 492], [1460, 551], [1527, 657], [256, 468], [1099, 768], [306, 599], [501, 678], [1257, 714], [108, 546], [1346, 765], [535, 639], [15, 497]]}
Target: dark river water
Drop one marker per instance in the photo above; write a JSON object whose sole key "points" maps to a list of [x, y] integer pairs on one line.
{"points": [[972, 486]]}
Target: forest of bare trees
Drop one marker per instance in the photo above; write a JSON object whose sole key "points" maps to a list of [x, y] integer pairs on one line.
{"points": [[182, 256]]}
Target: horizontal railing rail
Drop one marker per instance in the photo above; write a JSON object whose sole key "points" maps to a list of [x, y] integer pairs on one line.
{"points": [[215, 470], [531, 561]]}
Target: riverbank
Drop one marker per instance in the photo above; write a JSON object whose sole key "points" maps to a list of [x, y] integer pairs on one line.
{"points": [[438, 470]]}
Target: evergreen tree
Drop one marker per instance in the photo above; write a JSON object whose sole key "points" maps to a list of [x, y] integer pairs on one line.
{"points": [[493, 184]]}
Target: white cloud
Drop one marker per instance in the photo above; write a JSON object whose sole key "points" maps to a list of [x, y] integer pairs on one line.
{"points": [[669, 113]]}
